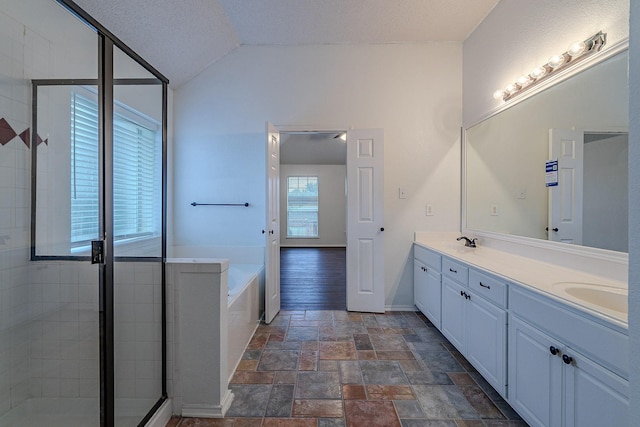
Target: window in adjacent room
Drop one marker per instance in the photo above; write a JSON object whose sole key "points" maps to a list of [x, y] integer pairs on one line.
{"points": [[302, 206]]}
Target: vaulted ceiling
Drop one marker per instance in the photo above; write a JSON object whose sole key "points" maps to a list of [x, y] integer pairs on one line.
{"points": [[182, 37]]}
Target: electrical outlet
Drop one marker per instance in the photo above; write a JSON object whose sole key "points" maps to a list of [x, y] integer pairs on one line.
{"points": [[494, 210], [402, 193], [429, 210]]}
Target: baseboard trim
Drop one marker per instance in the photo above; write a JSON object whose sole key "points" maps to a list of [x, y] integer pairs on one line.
{"points": [[209, 411], [400, 308], [161, 416]]}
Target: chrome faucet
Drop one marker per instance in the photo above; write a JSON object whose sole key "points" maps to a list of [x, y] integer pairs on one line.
{"points": [[468, 242]]}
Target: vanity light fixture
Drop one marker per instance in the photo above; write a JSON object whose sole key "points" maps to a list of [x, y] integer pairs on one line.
{"points": [[576, 52]]}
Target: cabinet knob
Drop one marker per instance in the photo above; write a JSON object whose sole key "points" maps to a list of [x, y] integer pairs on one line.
{"points": [[461, 293], [554, 350], [567, 359]]}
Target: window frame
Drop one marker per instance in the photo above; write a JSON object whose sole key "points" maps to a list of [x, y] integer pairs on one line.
{"points": [[317, 210], [124, 113]]}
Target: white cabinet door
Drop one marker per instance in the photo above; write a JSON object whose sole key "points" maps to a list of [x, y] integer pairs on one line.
{"points": [[454, 321], [426, 291], [486, 341], [594, 396], [419, 285], [535, 375]]}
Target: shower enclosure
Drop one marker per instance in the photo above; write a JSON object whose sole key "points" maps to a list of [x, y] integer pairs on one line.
{"points": [[82, 223]]}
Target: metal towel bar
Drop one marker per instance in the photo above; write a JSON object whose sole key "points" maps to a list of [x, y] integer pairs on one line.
{"points": [[246, 205]]}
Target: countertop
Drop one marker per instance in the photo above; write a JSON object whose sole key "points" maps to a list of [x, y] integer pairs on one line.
{"points": [[530, 273]]}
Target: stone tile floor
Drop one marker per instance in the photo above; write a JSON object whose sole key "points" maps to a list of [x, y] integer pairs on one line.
{"points": [[342, 369]]}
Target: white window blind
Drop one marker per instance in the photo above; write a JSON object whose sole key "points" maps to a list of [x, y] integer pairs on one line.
{"points": [[137, 185], [302, 206]]}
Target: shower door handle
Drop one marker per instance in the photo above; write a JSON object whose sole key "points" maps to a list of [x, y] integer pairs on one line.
{"points": [[97, 252]]}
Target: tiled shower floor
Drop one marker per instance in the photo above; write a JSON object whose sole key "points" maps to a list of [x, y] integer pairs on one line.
{"points": [[333, 368]]}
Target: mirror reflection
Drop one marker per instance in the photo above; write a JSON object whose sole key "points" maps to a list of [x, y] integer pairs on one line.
{"points": [[582, 123]]}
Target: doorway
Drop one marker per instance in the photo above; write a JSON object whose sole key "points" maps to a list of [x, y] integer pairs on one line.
{"points": [[313, 214]]}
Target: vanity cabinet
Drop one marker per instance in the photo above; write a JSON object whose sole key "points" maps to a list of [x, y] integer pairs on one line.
{"points": [[554, 363], [552, 383], [473, 322], [426, 283]]}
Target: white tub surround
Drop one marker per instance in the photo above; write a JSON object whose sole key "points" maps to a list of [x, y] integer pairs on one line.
{"points": [[201, 315], [552, 340], [243, 309]]}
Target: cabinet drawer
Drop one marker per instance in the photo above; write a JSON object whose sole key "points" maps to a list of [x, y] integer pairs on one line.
{"points": [[427, 257], [457, 272], [488, 287]]}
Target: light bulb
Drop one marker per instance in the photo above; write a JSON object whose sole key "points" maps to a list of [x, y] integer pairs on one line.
{"points": [[499, 94], [524, 80], [556, 60], [576, 48], [510, 88], [536, 73]]}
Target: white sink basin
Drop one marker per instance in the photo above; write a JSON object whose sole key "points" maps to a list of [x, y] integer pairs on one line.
{"points": [[607, 297]]}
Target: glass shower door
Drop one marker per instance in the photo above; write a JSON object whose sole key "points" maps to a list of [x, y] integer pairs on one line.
{"points": [[138, 240]]}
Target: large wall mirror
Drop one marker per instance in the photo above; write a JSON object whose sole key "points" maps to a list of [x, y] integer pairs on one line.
{"points": [[582, 122]]}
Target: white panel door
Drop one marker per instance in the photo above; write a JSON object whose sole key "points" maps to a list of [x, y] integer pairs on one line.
{"points": [[565, 199], [365, 222], [272, 232]]}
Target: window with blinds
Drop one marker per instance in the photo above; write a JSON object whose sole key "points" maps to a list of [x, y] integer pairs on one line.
{"points": [[302, 206], [137, 172]]}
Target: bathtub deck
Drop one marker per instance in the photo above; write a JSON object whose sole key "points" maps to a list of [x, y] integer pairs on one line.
{"points": [[313, 278]]}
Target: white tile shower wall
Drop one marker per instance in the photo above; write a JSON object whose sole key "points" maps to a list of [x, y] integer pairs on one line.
{"points": [[14, 209], [138, 333], [64, 350]]}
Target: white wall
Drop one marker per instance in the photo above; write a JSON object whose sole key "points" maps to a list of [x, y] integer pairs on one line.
{"points": [[413, 92], [634, 211], [332, 209], [519, 35]]}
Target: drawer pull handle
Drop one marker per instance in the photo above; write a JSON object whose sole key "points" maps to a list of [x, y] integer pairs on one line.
{"points": [[554, 351], [453, 271], [567, 359], [485, 286]]}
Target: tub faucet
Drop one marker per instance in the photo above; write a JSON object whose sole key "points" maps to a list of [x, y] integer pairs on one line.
{"points": [[468, 242]]}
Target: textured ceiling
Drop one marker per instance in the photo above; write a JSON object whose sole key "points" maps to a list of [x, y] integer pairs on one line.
{"points": [[181, 38]]}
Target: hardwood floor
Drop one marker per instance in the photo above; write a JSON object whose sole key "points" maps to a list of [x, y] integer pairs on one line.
{"points": [[313, 279]]}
